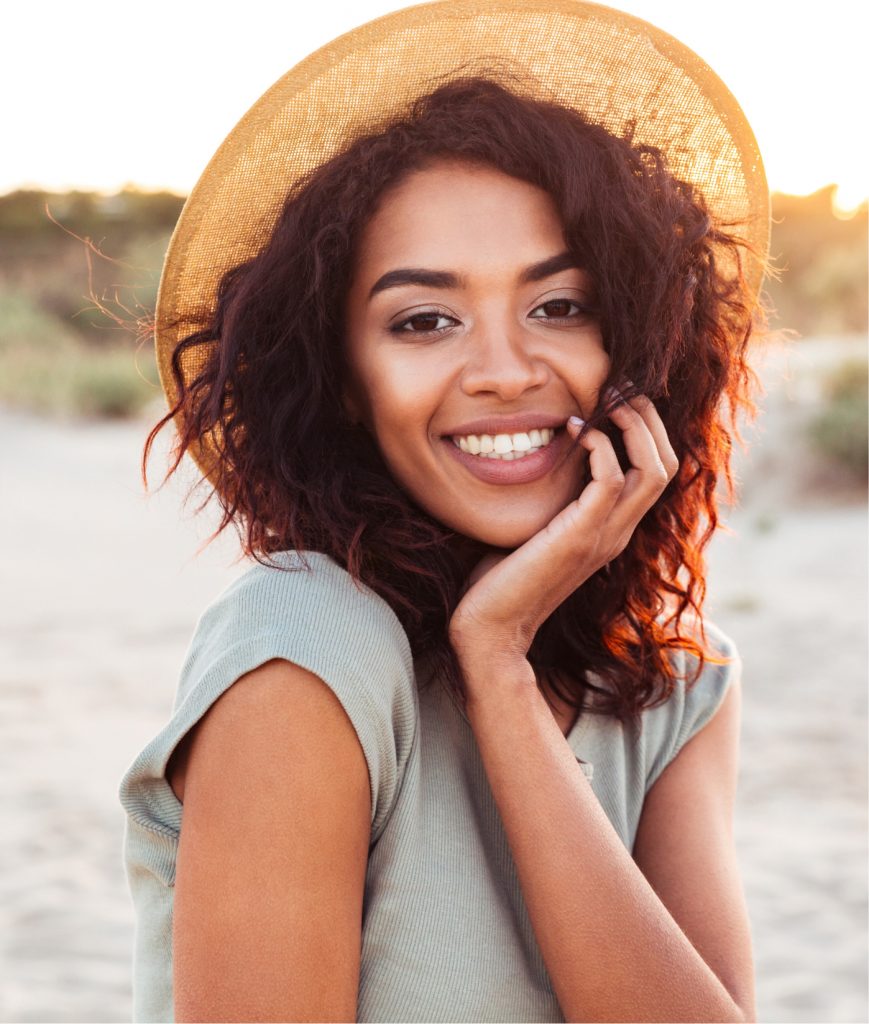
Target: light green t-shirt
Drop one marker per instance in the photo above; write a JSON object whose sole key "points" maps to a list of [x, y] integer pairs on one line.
{"points": [[445, 932]]}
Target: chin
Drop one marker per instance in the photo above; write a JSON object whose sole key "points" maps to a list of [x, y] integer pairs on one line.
{"points": [[508, 534]]}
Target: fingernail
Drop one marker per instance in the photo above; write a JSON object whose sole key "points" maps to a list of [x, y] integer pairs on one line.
{"points": [[575, 421]]}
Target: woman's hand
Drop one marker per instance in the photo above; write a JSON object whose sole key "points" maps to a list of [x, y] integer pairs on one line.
{"points": [[511, 595]]}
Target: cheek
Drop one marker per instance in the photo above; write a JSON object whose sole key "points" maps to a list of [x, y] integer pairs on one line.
{"points": [[398, 402], [585, 377]]}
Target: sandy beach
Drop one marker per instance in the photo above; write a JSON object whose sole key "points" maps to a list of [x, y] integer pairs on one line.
{"points": [[101, 588]]}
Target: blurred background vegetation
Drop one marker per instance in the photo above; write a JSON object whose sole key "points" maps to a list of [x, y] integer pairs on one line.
{"points": [[62, 258], [78, 270]]}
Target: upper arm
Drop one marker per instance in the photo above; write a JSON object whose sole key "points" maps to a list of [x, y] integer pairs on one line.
{"points": [[685, 848], [272, 855]]}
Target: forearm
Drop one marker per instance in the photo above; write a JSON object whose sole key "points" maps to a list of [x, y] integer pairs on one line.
{"points": [[611, 947]]}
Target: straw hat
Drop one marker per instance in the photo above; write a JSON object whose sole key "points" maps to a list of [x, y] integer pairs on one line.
{"points": [[617, 70]]}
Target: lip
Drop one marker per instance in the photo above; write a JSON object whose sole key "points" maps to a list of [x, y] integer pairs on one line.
{"points": [[519, 423], [517, 471]]}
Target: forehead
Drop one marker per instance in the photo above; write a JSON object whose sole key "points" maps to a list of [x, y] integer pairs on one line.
{"points": [[452, 211]]}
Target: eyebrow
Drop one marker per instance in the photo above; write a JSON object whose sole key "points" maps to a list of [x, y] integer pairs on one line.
{"points": [[446, 279]]}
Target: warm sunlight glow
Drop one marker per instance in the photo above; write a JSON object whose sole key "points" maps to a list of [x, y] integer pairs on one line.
{"points": [[103, 93], [849, 198]]}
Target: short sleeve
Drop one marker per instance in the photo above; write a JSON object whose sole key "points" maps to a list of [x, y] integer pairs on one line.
{"points": [[317, 618], [668, 727]]}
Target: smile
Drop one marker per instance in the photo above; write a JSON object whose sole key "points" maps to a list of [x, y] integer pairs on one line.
{"points": [[514, 465], [504, 447]]}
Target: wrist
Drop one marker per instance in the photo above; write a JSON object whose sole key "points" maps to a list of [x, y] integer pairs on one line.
{"points": [[496, 676]]}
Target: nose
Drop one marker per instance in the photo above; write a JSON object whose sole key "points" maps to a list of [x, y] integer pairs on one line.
{"points": [[499, 362]]}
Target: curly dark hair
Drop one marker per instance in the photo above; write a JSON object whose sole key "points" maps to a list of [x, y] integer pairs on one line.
{"points": [[675, 313]]}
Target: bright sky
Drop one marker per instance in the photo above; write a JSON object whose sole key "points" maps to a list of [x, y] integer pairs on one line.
{"points": [[99, 93]]}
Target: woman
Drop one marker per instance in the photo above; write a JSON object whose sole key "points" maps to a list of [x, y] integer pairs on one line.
{"points": [[458, 747]]}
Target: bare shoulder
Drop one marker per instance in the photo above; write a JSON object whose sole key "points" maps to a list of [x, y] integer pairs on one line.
{"points": [[269, 699], [272, 854], [685, 848]]}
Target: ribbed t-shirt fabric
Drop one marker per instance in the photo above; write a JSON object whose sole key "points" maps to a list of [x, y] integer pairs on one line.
{"points": [[445, 935]]}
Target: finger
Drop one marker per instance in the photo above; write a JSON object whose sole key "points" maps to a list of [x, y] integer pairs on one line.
{"points": [[607, 482], [574, 539], [652, 418], [648, 476]]}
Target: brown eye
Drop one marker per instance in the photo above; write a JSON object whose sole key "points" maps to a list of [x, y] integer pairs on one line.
{"points": [[558, 308], [424, 323]]}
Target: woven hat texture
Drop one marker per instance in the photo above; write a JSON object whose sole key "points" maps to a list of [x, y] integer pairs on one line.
{"points": [[619, 71]]}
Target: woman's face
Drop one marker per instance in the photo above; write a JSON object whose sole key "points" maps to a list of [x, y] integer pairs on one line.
{"points": [[471, 340]]}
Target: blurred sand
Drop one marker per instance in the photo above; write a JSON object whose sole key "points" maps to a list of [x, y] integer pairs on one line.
{"points": [[100, 592]]}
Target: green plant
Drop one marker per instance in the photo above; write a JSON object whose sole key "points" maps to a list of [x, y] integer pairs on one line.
{"points": [[46, 368], [25, 324], [110, 385], [840, 431]]}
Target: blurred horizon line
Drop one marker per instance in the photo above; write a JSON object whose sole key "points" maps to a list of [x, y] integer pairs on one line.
{"points": [[843, 209]]}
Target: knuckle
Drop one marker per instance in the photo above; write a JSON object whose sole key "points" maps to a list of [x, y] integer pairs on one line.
{"points": [[660, 476], [627, 410], [617, 548], [573, 518]]}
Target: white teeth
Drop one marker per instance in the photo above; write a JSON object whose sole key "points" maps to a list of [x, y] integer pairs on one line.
{"points": [[504, 446]]}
